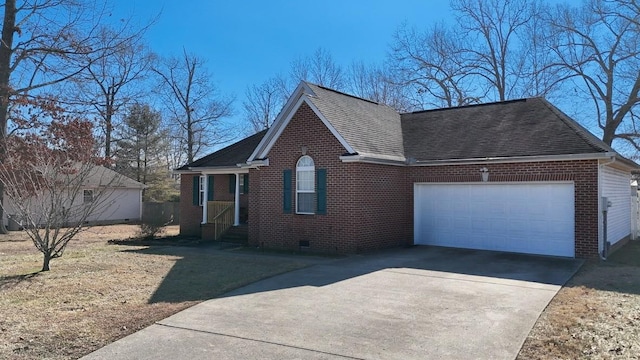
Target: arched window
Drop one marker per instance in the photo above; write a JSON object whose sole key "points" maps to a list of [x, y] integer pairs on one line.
{"points": [[305, 185]]}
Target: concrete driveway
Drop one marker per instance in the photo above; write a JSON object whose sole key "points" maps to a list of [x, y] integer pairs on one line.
{"points": [[415, 303]]}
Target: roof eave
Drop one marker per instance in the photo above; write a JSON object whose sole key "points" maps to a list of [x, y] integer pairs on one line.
{"points": [[212, 170], [515, 159]]}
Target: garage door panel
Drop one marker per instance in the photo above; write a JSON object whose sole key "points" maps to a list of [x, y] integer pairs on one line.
{"points": [[519, 217]]}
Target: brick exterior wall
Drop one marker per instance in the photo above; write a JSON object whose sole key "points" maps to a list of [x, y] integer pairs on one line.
{"points": [[370, 206], [221, 190], [365, 203]]}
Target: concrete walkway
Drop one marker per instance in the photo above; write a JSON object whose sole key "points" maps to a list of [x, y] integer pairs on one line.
{"points": [[416, 303]]}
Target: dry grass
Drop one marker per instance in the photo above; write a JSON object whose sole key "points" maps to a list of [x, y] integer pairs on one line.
{"points": [[98, 292], [595, 316]]}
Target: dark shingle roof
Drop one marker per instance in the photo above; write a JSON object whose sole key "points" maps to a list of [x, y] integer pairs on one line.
{"points": [[231, 155], [526, 127], [369, 127]]}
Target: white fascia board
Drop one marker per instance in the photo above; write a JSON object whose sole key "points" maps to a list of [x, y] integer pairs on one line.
{"points": [[222, 171], [271, 137], [257, 163], [515, 159], [280, 122], [185, 172]]}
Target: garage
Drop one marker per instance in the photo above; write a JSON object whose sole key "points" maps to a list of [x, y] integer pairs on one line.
{"points": [[530, 217]]}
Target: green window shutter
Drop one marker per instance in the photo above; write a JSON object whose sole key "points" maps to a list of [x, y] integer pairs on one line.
{"points": [[321, 192], [210, 188], [196, 190], [232, 184], [286, 191], [246, 183]]}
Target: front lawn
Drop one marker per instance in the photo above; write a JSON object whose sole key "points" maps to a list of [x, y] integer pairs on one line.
{"points": [[99, 292], [595, 316]]}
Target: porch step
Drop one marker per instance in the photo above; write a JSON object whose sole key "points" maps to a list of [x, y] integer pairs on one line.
{"points": [[236, 234]]}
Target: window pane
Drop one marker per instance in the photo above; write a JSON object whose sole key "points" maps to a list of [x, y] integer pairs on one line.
{"points": [[87, 196], [305, 202], [305, 180], [305, 161]]}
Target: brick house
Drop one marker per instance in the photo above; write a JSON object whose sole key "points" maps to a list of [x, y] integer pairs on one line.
{"points": [[340, 174]]}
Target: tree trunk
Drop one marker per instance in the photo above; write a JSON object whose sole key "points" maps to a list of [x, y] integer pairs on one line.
{"points": [[6, 47], [189, 141], [608, 132], [45, 262], [108, 129]]}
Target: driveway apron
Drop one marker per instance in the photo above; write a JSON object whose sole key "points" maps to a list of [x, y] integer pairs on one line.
{"points": [[414, 303]]}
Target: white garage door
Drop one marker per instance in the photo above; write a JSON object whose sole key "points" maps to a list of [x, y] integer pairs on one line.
{"points": [[534, 218]]}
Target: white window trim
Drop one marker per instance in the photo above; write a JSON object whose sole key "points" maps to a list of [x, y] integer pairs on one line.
{"points": [[201, 190], [305, 168]]}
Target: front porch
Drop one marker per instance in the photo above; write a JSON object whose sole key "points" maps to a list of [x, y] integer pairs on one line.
{"points": [[226, 205], [221, 222]]}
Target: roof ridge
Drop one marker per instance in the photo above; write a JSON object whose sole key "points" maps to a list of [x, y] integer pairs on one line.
{"points": [[467, 106], [345, 94], [580, 130]]}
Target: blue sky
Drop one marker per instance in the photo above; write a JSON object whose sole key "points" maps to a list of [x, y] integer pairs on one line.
{"points": [[246, 42]]}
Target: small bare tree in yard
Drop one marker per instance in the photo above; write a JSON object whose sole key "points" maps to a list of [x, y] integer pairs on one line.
{"points": [[51, 176]]}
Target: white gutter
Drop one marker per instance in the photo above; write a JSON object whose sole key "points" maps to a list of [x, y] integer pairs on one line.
{"points": [[515, 159]]}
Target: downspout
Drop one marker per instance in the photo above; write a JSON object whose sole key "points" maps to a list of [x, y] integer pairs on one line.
{"points": [[604, 207]]}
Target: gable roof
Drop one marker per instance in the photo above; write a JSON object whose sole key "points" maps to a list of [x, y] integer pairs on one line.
{"points": [[100, 176], [230, 156], [526, 127], [369, 127], [362, 126]]}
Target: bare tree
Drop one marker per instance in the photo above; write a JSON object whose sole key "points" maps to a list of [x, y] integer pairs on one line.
{"points": [[52, 178], [597, 47], [111, 81], [46, 42], [492, 49], [319, 68], [194, 102], [486, 55], [432, 65], [263, 103], [374, 83]]}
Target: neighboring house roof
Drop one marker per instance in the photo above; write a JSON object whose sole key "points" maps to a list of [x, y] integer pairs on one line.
{"points": [[526, 127], [374, 132], [230, 156], [101, 176]]}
